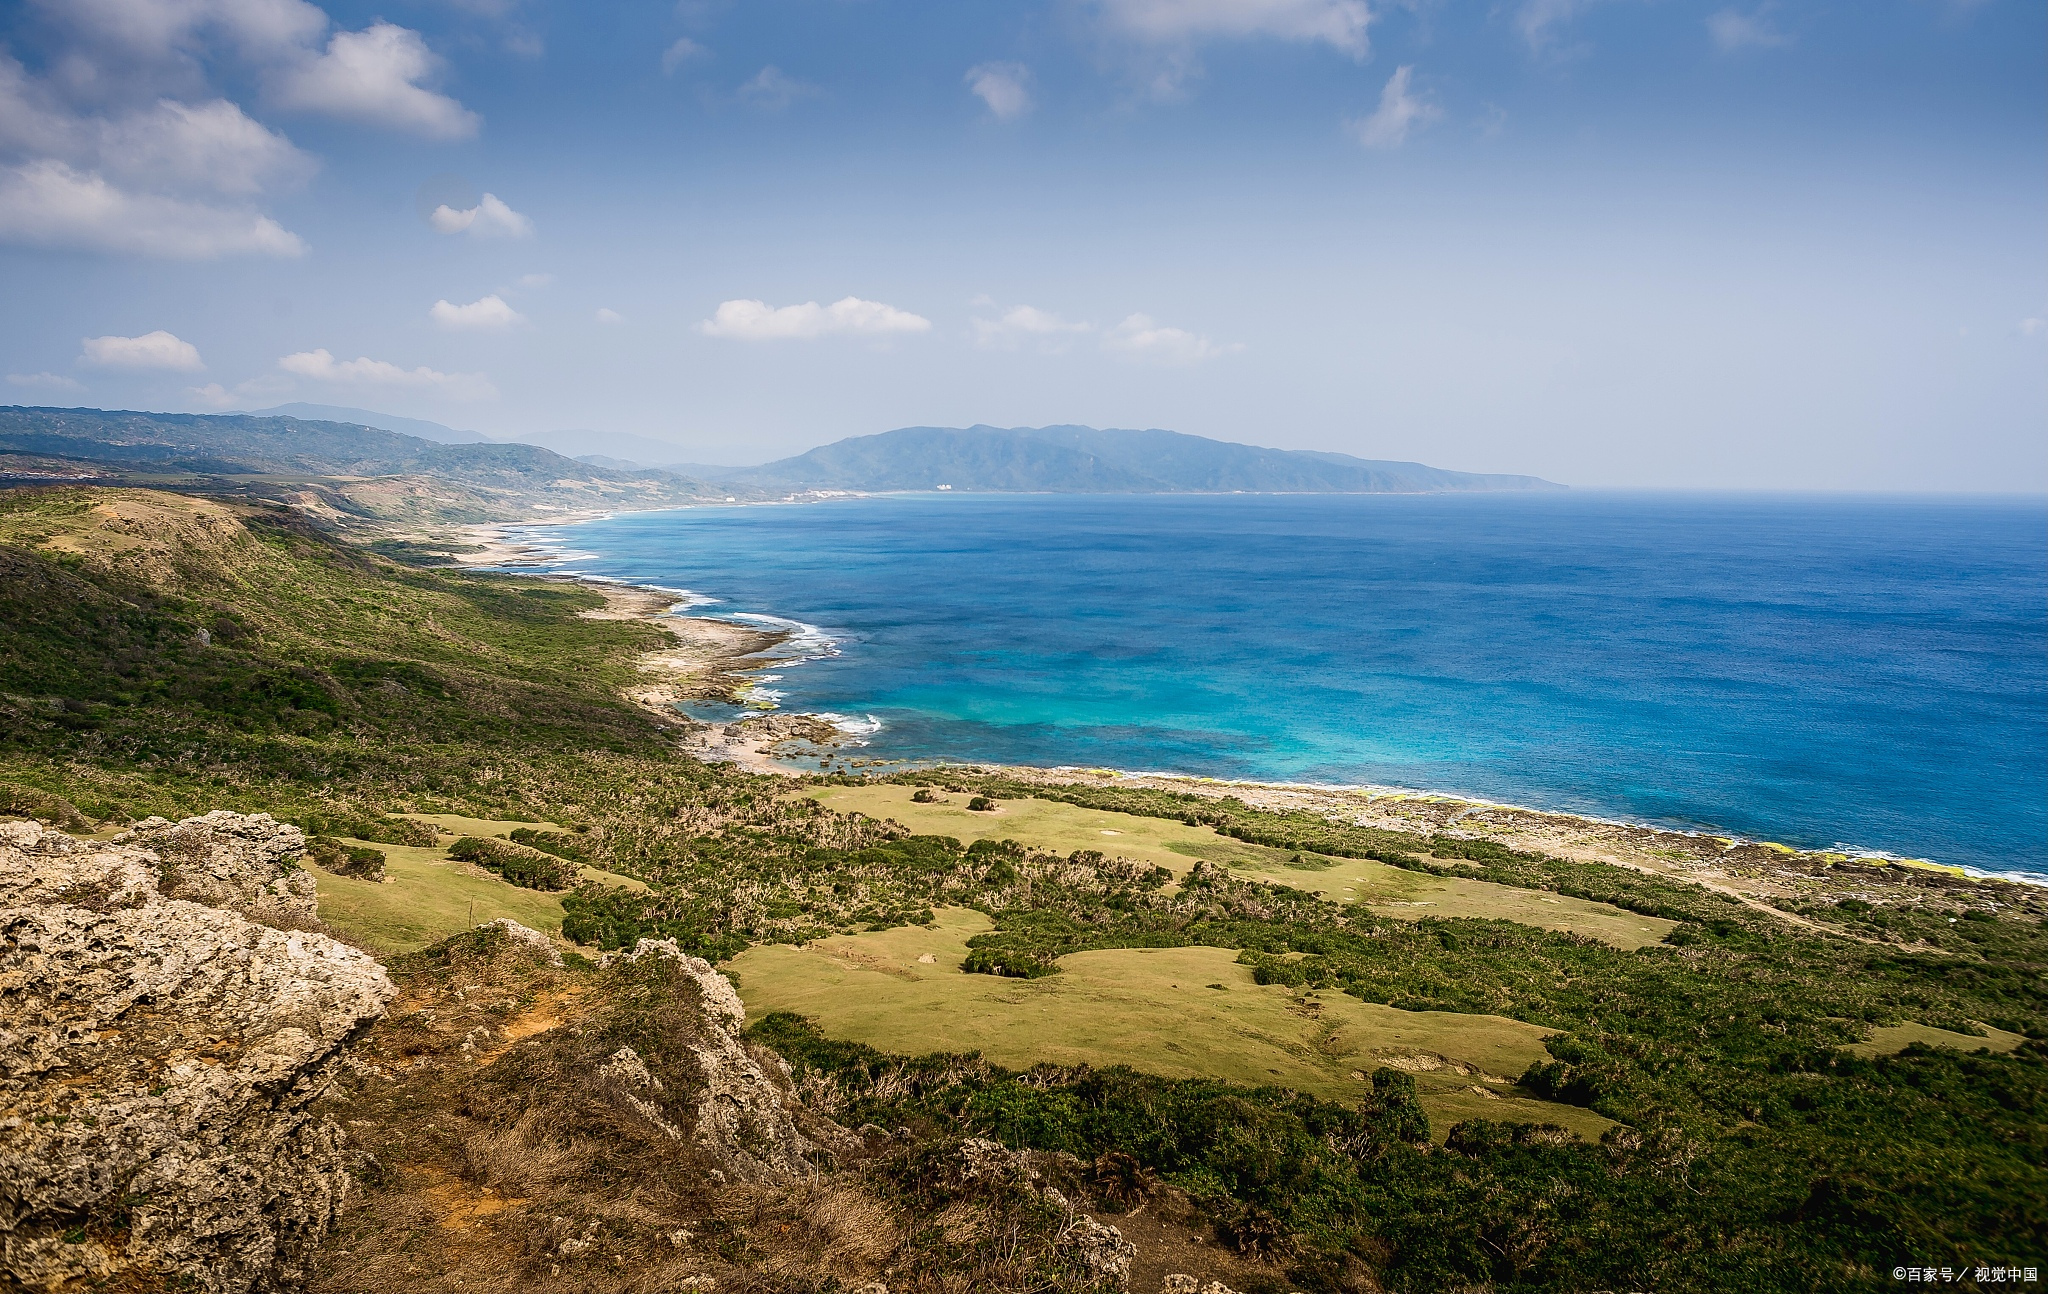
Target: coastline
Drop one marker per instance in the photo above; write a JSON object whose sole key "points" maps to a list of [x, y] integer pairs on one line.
{"points": [[714, 662], [715, 657]]}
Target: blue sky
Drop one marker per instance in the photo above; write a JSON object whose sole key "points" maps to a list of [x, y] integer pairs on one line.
{"points": [[1773, 243]]}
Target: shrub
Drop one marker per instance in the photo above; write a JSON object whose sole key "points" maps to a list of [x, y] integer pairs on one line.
{"points": [[359, 861], [28, 802], [529, 868], [982, 804], [558, 843]]}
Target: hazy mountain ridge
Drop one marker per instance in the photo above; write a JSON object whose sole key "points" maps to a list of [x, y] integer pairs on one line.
{"points": [[1087, 460], [339, 470], [419, 427]]}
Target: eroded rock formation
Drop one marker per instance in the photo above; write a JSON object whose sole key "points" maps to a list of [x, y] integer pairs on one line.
{"points": [[158, 1054], [744, 1114]]}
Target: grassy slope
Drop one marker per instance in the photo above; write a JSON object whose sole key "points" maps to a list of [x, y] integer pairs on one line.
{"points": [[1182, 1012], [1757, 1152], [1390, 891]]}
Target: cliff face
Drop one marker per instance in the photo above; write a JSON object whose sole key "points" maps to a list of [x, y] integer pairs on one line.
{"points": [[159, 1055]]}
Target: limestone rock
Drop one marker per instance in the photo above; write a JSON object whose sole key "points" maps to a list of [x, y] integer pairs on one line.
{"points": [[39, 866], [250, 863], [744, 1117], [1100, 1249], [983, 1160], [528, 938], [157, 1058], [1181, 1284]]}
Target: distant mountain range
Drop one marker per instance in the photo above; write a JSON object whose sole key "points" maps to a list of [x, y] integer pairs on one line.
{"points": [[340, 470], [1050, 460], [350, 472], [419, 427], [617, 449], [1085, 460]]}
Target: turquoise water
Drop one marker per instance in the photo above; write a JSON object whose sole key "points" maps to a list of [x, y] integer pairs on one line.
{"points": [[1825, 671]]}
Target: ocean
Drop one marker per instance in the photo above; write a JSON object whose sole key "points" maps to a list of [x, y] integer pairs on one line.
{"points": [[1824, 671]]}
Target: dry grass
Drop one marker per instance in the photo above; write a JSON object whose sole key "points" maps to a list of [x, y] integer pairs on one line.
{"points": [[497, 1159]]}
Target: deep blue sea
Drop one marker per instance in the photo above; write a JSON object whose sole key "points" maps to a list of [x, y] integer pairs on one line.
{"points": [[1823, 671]]}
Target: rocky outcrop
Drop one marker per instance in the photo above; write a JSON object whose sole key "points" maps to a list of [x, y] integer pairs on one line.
{"points": [[158, 1055], [528, 939], [745, 1115], [252, 864]]}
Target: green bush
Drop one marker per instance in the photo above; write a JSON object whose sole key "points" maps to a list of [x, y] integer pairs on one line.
{"points": [[519, 865], [359, 861]]}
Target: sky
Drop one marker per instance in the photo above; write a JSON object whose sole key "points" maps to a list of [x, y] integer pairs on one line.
{"points": [[1769, 244]]}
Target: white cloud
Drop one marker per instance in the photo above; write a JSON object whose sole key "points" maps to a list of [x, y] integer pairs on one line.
{"points": [[1020, 324], [170, 35], [214, 395], [214, 146], [491, 314], [321, 366], [489, 218], [2033, 326], [144, 181], [771, 89], [157, 349], [605, 315], [1734, 32], [758, 321], [46, 203], [51, 381], [374, 75], [1341, 24], [535, 280], [680, 53], [1399, 110], [1141, 337], [1004, 87]]}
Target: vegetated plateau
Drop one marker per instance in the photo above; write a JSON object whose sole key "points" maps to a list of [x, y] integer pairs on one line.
{"points": [[1707, 1096]]}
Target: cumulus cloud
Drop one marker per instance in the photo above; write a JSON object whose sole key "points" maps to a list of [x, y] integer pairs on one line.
{"points": [[1021, 324], [173, 170], [1341, 24], [170, 179], [1733, 31], [167, 37], [489, 218], [157, 349], [758, 321], [321, 366], [1004, 87], [680, 53], [1141, 337], [491, 314], [374, 75], [213, 147], [46, 203], [1399, 110], [771, 89], [606, 315], [48, 381]]}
